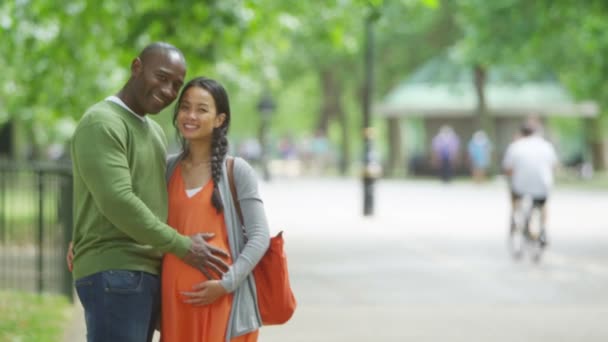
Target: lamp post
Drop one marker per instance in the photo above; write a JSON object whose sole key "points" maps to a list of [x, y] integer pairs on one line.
{"points": [[370, 164], [266, 107]]}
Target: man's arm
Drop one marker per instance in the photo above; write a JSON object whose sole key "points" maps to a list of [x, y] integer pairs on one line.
{"points": [[100, 159]]}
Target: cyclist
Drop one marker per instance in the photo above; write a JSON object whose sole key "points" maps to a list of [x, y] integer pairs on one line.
{"points": [[529, 164]]}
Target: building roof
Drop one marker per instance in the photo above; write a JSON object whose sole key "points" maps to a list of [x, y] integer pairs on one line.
{"points": [[444, 87]]}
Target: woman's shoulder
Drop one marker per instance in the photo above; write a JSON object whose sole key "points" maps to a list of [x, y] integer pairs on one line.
{"points": [[240, 163], [243, 170]]}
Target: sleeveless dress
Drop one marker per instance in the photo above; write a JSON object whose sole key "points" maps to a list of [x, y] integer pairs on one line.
{"points": [[183, 322]]}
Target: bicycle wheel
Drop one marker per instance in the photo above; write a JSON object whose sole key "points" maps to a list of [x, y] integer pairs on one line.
{"points": [[516, 244], [534, 246], [516, 238]]}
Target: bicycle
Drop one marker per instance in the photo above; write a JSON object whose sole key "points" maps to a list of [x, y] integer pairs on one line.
{"points": [[524, 237]]}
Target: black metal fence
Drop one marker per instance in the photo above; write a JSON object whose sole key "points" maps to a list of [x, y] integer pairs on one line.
{"points": [[35, 226]]}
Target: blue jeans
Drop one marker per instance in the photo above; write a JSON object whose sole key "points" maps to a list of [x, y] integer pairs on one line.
{"points": [[120, 305]]}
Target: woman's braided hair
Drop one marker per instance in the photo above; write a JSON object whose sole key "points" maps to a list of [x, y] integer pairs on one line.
{"points": [[219, 141]]}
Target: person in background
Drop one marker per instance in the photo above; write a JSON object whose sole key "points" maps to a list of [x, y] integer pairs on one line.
{"points": [[445, 146], [480, 155], [197, 308], [120, 204], [529, 163]]}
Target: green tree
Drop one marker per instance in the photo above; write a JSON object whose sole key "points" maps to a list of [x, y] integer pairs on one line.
{"points": [[519, 32], [62, 56]]}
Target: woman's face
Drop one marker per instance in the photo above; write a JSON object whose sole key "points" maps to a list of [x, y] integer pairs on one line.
{"points": [[197, 115]]}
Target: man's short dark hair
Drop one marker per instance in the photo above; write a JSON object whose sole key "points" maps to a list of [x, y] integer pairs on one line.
{"points": [[527, 129], [158, 47]]}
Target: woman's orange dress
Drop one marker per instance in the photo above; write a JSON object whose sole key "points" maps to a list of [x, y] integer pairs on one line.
{"points": [[183, 322]]}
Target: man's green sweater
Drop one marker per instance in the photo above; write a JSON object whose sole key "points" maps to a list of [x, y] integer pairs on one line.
{"points": [[120, 196]]}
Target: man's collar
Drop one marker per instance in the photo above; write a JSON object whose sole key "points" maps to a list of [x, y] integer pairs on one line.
{"points": [[119, 102]]}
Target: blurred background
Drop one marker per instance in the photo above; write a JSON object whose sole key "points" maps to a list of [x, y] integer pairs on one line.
{"points": [[337, 103]]}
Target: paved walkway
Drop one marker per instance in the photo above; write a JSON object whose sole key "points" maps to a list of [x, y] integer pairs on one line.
{"points": [[431, 265], [75, 329]]}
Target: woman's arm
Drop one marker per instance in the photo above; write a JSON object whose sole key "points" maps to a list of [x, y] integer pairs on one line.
{"points": [[255, 225]]}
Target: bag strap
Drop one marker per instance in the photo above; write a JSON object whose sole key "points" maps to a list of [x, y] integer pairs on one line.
{"points": [[230, 165], [235, 201]]}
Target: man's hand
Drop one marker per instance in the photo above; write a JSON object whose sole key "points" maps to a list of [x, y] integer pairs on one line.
{"points": [[205, 293], [206, 257], [69, 258]]}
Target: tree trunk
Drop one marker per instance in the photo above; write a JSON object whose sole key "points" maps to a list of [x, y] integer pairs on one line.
{"points": [[6, 140], [596, 143], [36, 148], [329, 100], [484, 121], [479, 79], [344, 160], [331, 108], [395, 152]]}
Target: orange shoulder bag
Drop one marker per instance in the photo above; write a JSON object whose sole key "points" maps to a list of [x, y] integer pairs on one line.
{"points": [[276, 301]]}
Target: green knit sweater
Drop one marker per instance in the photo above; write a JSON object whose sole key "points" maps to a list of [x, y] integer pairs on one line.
{"points": [[120, 196]]}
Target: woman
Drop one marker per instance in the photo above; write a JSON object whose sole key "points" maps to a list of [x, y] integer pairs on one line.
{"points": [[194, 307]]}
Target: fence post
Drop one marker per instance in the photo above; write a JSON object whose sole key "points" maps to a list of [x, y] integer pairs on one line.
{"points": [[65, 202], [3, 194], [40, 265]]}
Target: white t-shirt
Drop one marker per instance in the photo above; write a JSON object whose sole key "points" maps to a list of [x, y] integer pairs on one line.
{"points": [[191, 192], [119, 102], [532, 160]]}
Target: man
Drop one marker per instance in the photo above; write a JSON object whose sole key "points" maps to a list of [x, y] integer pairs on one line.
{"points": [[529, 163], [120, 203]]}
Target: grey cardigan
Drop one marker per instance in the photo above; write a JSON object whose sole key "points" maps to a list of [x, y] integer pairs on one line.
{"points": [[247, 246]]}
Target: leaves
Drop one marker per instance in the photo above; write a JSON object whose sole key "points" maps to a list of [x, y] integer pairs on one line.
{"points": [[63, 56]]}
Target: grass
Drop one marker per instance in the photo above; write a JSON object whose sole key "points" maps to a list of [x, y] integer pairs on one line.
{"points": [[599, 181], [31, 317]]}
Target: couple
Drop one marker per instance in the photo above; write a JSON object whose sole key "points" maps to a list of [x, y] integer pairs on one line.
{"points": [[130, 219]]}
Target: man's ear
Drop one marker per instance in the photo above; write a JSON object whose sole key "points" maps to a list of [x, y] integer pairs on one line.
{"points": [[136, 67], [219, 120]]}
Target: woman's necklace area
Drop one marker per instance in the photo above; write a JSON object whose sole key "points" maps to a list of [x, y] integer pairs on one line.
{"points": [[189, 164]]}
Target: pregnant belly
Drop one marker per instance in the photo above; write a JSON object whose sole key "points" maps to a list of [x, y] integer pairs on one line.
{"points": [[178, 276]]}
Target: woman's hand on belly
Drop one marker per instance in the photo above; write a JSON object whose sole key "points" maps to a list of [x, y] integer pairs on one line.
{"points": [[204, 293]]}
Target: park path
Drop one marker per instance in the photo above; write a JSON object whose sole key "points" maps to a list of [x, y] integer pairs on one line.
{"points": [[431, 265]]}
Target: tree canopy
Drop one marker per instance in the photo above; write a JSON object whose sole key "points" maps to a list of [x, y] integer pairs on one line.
{"points": [[60, 57]]}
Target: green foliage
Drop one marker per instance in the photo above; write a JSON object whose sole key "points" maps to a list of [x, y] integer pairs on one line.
{"points": [[408, 36], [569, 38], [525, 32], [569, 136], [32, 318], [63, 56]]}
